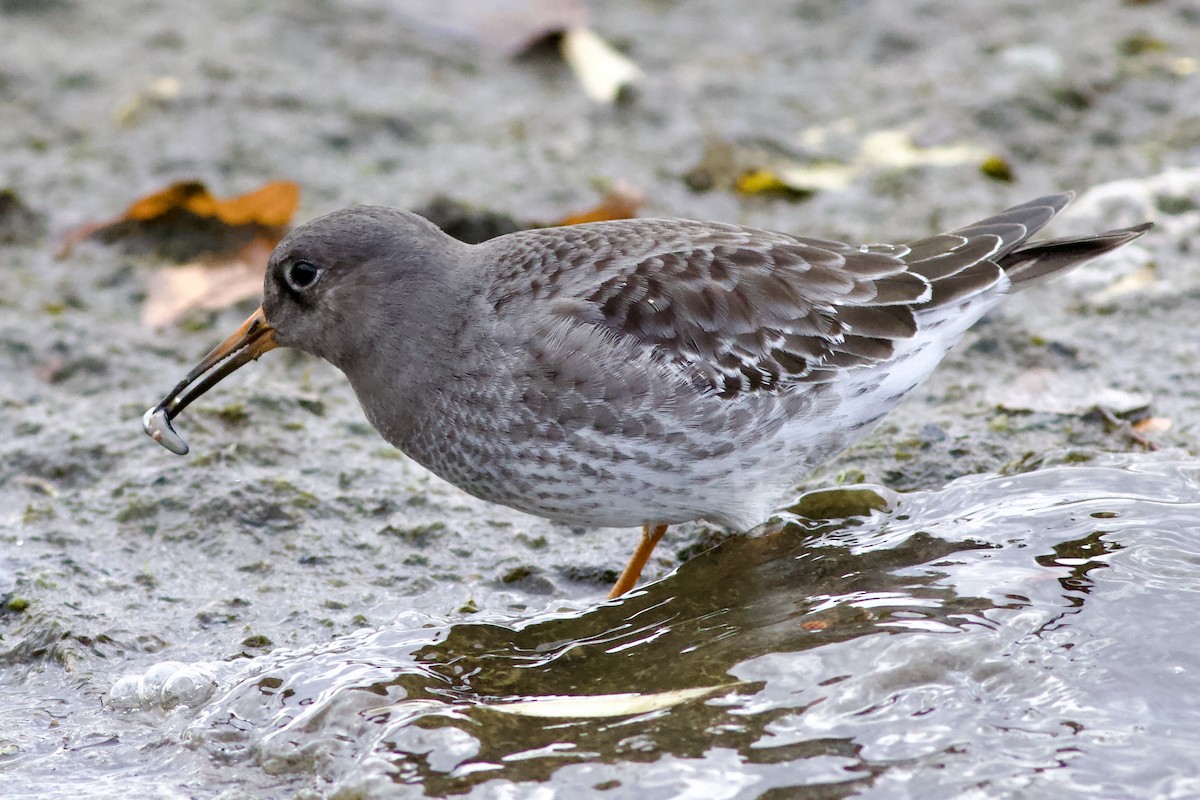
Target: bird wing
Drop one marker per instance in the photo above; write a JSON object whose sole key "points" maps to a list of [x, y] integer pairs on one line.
{"points": [[747, 310]]}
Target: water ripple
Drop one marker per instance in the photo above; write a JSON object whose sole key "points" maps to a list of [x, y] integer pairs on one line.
{"points": [[1026, 634]]}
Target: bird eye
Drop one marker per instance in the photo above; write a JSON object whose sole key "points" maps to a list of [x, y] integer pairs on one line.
{"points": [[301, 275]]}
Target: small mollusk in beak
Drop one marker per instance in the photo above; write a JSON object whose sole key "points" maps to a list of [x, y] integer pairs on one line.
{"points": [[251, 340]]}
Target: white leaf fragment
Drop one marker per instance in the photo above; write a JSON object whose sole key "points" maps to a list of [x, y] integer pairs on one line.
{"points": [[601, 705]]}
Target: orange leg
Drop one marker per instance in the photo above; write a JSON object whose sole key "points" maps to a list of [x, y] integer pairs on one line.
{"points": [[633, 570]]}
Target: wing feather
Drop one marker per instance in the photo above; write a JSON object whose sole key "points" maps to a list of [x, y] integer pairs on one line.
{"points": [[745, 310]]}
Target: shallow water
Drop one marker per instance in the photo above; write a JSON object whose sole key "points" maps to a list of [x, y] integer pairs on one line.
{"points": [[1028, 635]]}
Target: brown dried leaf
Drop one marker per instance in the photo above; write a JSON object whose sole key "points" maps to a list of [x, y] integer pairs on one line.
{"points": [[1153, 425], [270, 206], [622, 202]]}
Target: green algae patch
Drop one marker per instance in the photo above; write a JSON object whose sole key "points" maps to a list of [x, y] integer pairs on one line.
{"points": [[17, 604], [842, 502]]}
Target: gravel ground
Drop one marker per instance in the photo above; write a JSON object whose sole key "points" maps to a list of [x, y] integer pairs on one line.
{"points": [[292, 522]]}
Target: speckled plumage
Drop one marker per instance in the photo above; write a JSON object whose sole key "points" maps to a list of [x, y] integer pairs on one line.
{"points": [[641, 371]]}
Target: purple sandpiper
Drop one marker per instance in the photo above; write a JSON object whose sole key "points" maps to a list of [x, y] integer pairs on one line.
{"points": [[636, 372]]}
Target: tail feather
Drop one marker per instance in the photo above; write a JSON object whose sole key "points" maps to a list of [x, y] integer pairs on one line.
{"points": [[1029, 264], [967, 261]]}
